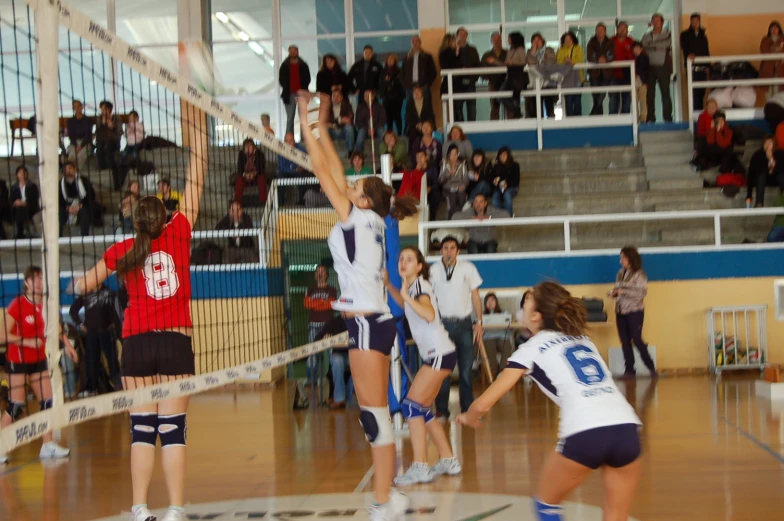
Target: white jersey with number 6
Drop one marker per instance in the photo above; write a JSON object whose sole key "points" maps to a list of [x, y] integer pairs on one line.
{"points": [[572, 373]]}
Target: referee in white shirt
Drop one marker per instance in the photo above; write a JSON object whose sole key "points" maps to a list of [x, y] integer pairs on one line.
{"points": [[456, 285]]}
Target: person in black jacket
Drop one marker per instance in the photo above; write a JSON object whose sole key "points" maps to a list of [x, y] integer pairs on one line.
{"points": [[99, 337], [391, 91], [694, 44], [419, 68], [331, 77], [25, 202], [76, 199], [506, 179], [469, 59], [418, 110], [447, 59], [250, 171], [365, 74], [765, 169], [293, 76], [239, 249]]}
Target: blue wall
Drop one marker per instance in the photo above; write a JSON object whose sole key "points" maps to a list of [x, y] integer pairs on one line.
{"points": [[554, 138]]}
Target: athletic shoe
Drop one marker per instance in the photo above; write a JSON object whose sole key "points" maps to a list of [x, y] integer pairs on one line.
{"points": [[399, 503], [381, 512], [143, 514], [416, 473], [175, 515], [449, 466], [53, 450]]}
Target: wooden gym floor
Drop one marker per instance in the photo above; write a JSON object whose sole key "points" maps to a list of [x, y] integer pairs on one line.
{"points": [[713, 451]]}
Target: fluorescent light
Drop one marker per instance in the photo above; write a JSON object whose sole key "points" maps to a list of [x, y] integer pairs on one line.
{"points": [[255, 47], [242, 35], [222, 17]]}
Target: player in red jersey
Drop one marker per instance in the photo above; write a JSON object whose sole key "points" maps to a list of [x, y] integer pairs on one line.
{"points": [[157, 347], [25, 361]]}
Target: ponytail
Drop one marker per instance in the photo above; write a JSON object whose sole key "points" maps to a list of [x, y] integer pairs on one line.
{"points": [[571, 317], [149, 217], [405, 206], [560, 310]]}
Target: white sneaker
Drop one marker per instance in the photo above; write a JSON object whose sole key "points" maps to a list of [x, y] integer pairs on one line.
{"points": [[175, 515], [416, 473], [381, 512], [399, 503], [448, 466], [53, 450], [143, 514]]}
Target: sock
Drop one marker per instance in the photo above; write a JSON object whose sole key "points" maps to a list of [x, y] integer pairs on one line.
{"points": [[178, 509], [134, 508], [546, 512]]}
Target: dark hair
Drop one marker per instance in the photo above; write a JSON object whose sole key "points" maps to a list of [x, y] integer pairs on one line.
{"points": [[619, 22], [425, 271], [108, 104], [149, 217], [69, 163], [538, 35], [601, 24], [773, 24], [478, 152], [560, 310], [452, 147], [768, 137], [450, 238], [321, 265], [638, 44], [527, 293], [380, 196], [506, 149], [133, 113], [368, 46], [719, 115], [32, 271], [633, 256], [77, 101], [695, 15], [165, 181], [359, 155], [23, 169], [659, 16], [497, 304], [516, 40], [569, 33]]}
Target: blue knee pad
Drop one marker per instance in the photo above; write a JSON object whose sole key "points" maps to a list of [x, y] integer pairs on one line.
{"points": [[172, 430], [46, 404], [412, 409], [144, 429], [15, 409], [545, 512]]}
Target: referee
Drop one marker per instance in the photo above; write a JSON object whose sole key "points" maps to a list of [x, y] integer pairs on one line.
{"points": [[456, 286]]}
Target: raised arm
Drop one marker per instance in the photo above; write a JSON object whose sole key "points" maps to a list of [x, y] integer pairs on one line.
{"points": [[92, 280], [333, 160], [197, 166]]}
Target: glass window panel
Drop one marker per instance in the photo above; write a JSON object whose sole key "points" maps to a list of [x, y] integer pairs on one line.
{"points": [[312, 17], [94, 9], [586, 31], [531, 11], [549, 33], [234, 60], [463, 12], [577, 9], [147, 22], [313, 50], [385, 15], [481, 40], [645, 7], [237, 19], [383, 46]]}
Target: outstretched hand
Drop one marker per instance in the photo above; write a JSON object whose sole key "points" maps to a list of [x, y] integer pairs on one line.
{"points": [[467, 420]]}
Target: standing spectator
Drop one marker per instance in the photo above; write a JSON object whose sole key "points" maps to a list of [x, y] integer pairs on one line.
{"points": [[76, 199], [341, 122], [540, 54], [25, 202], [480, 175], [447, 59], [600, 50], [418, 110], [367, 107], [239, 249], [130, 198], [80, 134], [623, 52], [418, 69], [506, 179], [108, 132], [495, 57], [658, 46], [171, 198], [134, 135], [365, 74], [358, 166], [293, 76], [481, 240], [694, 44], [516, 78], [469, 59], [392, 145], [499, 341], [318, 302], [250, 171], [631, 287], [766, 168], [267, 124], [642, 66], [458, 138], [456, 285], [454, 181], [772, 43], [391, 91], [570, 53], [331, 78]]}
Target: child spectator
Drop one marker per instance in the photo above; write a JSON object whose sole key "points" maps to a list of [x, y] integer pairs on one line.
{"points": [[719, 148], [358, 166], [412, 179], [642, 65], [704, 124]]}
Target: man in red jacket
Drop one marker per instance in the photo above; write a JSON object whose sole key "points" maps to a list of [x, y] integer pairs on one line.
{"points": [[623, 52]]}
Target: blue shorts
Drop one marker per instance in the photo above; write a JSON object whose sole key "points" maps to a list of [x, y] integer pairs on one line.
{"points": [[442, 362], [374, 332], [614, 445]]}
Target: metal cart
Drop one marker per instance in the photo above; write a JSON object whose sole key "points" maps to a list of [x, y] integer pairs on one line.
{"points": [[737, 338]]}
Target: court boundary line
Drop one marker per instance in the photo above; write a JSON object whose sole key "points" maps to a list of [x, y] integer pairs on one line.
{"points": [[756, 441], [363, 483]]}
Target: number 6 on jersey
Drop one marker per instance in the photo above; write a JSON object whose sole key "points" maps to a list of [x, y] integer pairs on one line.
{"points": [[586, 367], [160, 276]]}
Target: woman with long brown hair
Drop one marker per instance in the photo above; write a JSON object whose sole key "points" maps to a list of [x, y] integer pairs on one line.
{"points": [[391, 91]]}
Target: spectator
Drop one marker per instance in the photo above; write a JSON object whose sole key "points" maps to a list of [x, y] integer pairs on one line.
{"points": [[495, 57], [418, 110], [80, 134], [600, 50], [623, 52], [412, 179], [704, 125], [341, 386], [418, 69], [506, 179], [318, 302], [25, 202], [516, 77], [5, 207], [719, 149], [76, 199], [642, 65], [286, 167], [358, 166], [429, 144], [331, 78], [468, 57], [108, 132], [293, 76], [250, 171], [453, 180], [458, 138], [130, 198], [239, 249], [481, 239], [773, 42], [570, 53], [480, 176], [266, 123], [540, 54], [448, 59], [497, 342], [658, 46], [171, 198], [776, 233], [134, 135], [365, 74], [392, 145], [367, 106], [766, 168], [341, 122], [391, 91], [694, 44]]}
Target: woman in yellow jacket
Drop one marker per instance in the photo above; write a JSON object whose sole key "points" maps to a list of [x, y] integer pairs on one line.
{"points": [[571, 53]]}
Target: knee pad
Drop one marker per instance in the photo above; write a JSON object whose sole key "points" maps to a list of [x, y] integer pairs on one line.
{"points": [[377, 425], [545, 512], [46, 404], [144, 427], [412, 409], [15, 409], [172, 430]]}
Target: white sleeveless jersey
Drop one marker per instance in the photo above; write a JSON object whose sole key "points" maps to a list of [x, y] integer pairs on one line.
{"points": [[359, 255], [572, 373], [431, 338]]}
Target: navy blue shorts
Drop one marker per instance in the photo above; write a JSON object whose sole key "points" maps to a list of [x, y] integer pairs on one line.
{"points": [[614, 445], [372, 332], [442, 362]]}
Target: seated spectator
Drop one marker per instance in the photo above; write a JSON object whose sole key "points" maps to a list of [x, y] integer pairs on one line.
{"points": [[76, 200], [130, 198], [506, 179], [642, 67], [429, 144], [480, 176], [412, 179], [341, 384], [498, 342], [341, 122], [363, 120], [358, 166], [266, 123], [108, 131], [481, 239], [704, 125], [318, 301], [134, 135], [453, 179], [250, 171], [238, 250], [776, 233], [288, 169], [392, 145], [719, 148], [171, 198], [315, 197], [766, 168], [418, 110], [458, 138], [25, 202], [80, 134]]}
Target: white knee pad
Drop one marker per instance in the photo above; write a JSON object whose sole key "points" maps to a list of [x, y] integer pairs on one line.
{"points": [[377, 425]]}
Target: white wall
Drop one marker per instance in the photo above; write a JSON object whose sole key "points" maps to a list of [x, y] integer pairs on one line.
{"points": [[731, 7]]}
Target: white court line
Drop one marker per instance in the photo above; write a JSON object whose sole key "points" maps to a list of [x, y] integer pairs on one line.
{"points": [[364, 482]]}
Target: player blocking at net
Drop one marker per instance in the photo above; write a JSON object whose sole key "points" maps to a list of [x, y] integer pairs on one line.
{"points": [[157, 345], [597, 428], [358, 250]]}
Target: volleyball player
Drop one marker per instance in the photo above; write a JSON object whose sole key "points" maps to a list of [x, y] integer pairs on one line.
{"points": [[438, 354], [598, 428], [157, 328], [357, 246], [25, 362]]}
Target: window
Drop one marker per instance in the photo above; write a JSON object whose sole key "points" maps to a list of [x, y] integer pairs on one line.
{"points": [[646, 7], [463, 12], [312, 17], [577, 9], [240, 20], [245, 68], [157, 25], [531, 11], [385, 15], [382, 47]]}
